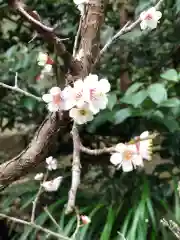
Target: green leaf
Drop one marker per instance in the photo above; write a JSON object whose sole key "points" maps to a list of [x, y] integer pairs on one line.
{"points": [[28, 103], [170, 75], [133, 88], [112, 99], [171, 124], [157, 93], [122, 115], [135, 99], [173, 102]]}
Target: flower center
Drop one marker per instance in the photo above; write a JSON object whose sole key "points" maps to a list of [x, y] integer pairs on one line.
{"points": [[148, 17], [82, 112], [56, 99], [127, 155]]}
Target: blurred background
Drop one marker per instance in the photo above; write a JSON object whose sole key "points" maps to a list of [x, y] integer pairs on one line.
{"points": [[144, 70]]}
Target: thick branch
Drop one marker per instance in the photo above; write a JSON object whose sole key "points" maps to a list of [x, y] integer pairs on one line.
{"points": [[33, 155], [48, 35], [90, 33]]}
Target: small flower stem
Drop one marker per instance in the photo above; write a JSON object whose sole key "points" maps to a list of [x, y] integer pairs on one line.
{"points": [[33, 225], [36, 199], [51, 217]]}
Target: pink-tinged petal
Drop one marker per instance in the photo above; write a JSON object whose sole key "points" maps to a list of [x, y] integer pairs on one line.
{"points": [[50, 61], [116, 158], [53, 107], [127, 166], [104, 85], [137, 160], [85, 219], [55, 90], [143, 15], [47, 98]]}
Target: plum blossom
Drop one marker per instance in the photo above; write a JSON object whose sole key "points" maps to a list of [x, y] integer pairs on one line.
{"points": [[150, 18], [39, 176], [81, 5], [85, 219], [58, 100], [143, 147], [51, 163], [126, 157], [53, 185], [82, 114], [95, 92], [42, 59]]}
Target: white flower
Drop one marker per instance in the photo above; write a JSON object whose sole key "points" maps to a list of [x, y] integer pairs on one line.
{"points": [[59, 100], [81, 5], [150, 18], [81, 115], [47, 68], [144, 147], [95, 92], [53, 185], [51, 163], [85, 219], [39, 176], [126, 158], [42, 59]]}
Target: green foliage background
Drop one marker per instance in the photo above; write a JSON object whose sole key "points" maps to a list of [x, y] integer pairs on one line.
{"points": [[133, 203]]}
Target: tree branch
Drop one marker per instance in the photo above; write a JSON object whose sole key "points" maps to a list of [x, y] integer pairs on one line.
{"points": [[48, 35], [34, 154], [76, 170]]}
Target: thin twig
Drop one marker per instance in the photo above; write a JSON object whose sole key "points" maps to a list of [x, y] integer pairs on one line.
{"points": [[52, 218], [76, 170], [77, 38], [127, 28], [33, 20], [78, 223], [37, 198], [33, 225], [100, 151], [19, 90]]}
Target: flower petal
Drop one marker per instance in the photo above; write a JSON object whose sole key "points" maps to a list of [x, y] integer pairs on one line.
{"points": [[55, 90], [158, 15], [116, 158], [47, 98], [104, 85], [137, 160], [53, 107], [127, 166], [143, 25]]}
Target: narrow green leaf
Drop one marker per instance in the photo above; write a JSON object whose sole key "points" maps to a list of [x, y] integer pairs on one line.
{"points": [[173, 102], [112, 99]]}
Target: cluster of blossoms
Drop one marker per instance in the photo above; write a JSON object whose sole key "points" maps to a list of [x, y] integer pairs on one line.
{"points": [[85, 99], [53, 185], [128, 156], [46, 62]]}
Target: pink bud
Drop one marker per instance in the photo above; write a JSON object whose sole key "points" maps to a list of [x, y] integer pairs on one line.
{"points": [[50, 61], [85, 219]]}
